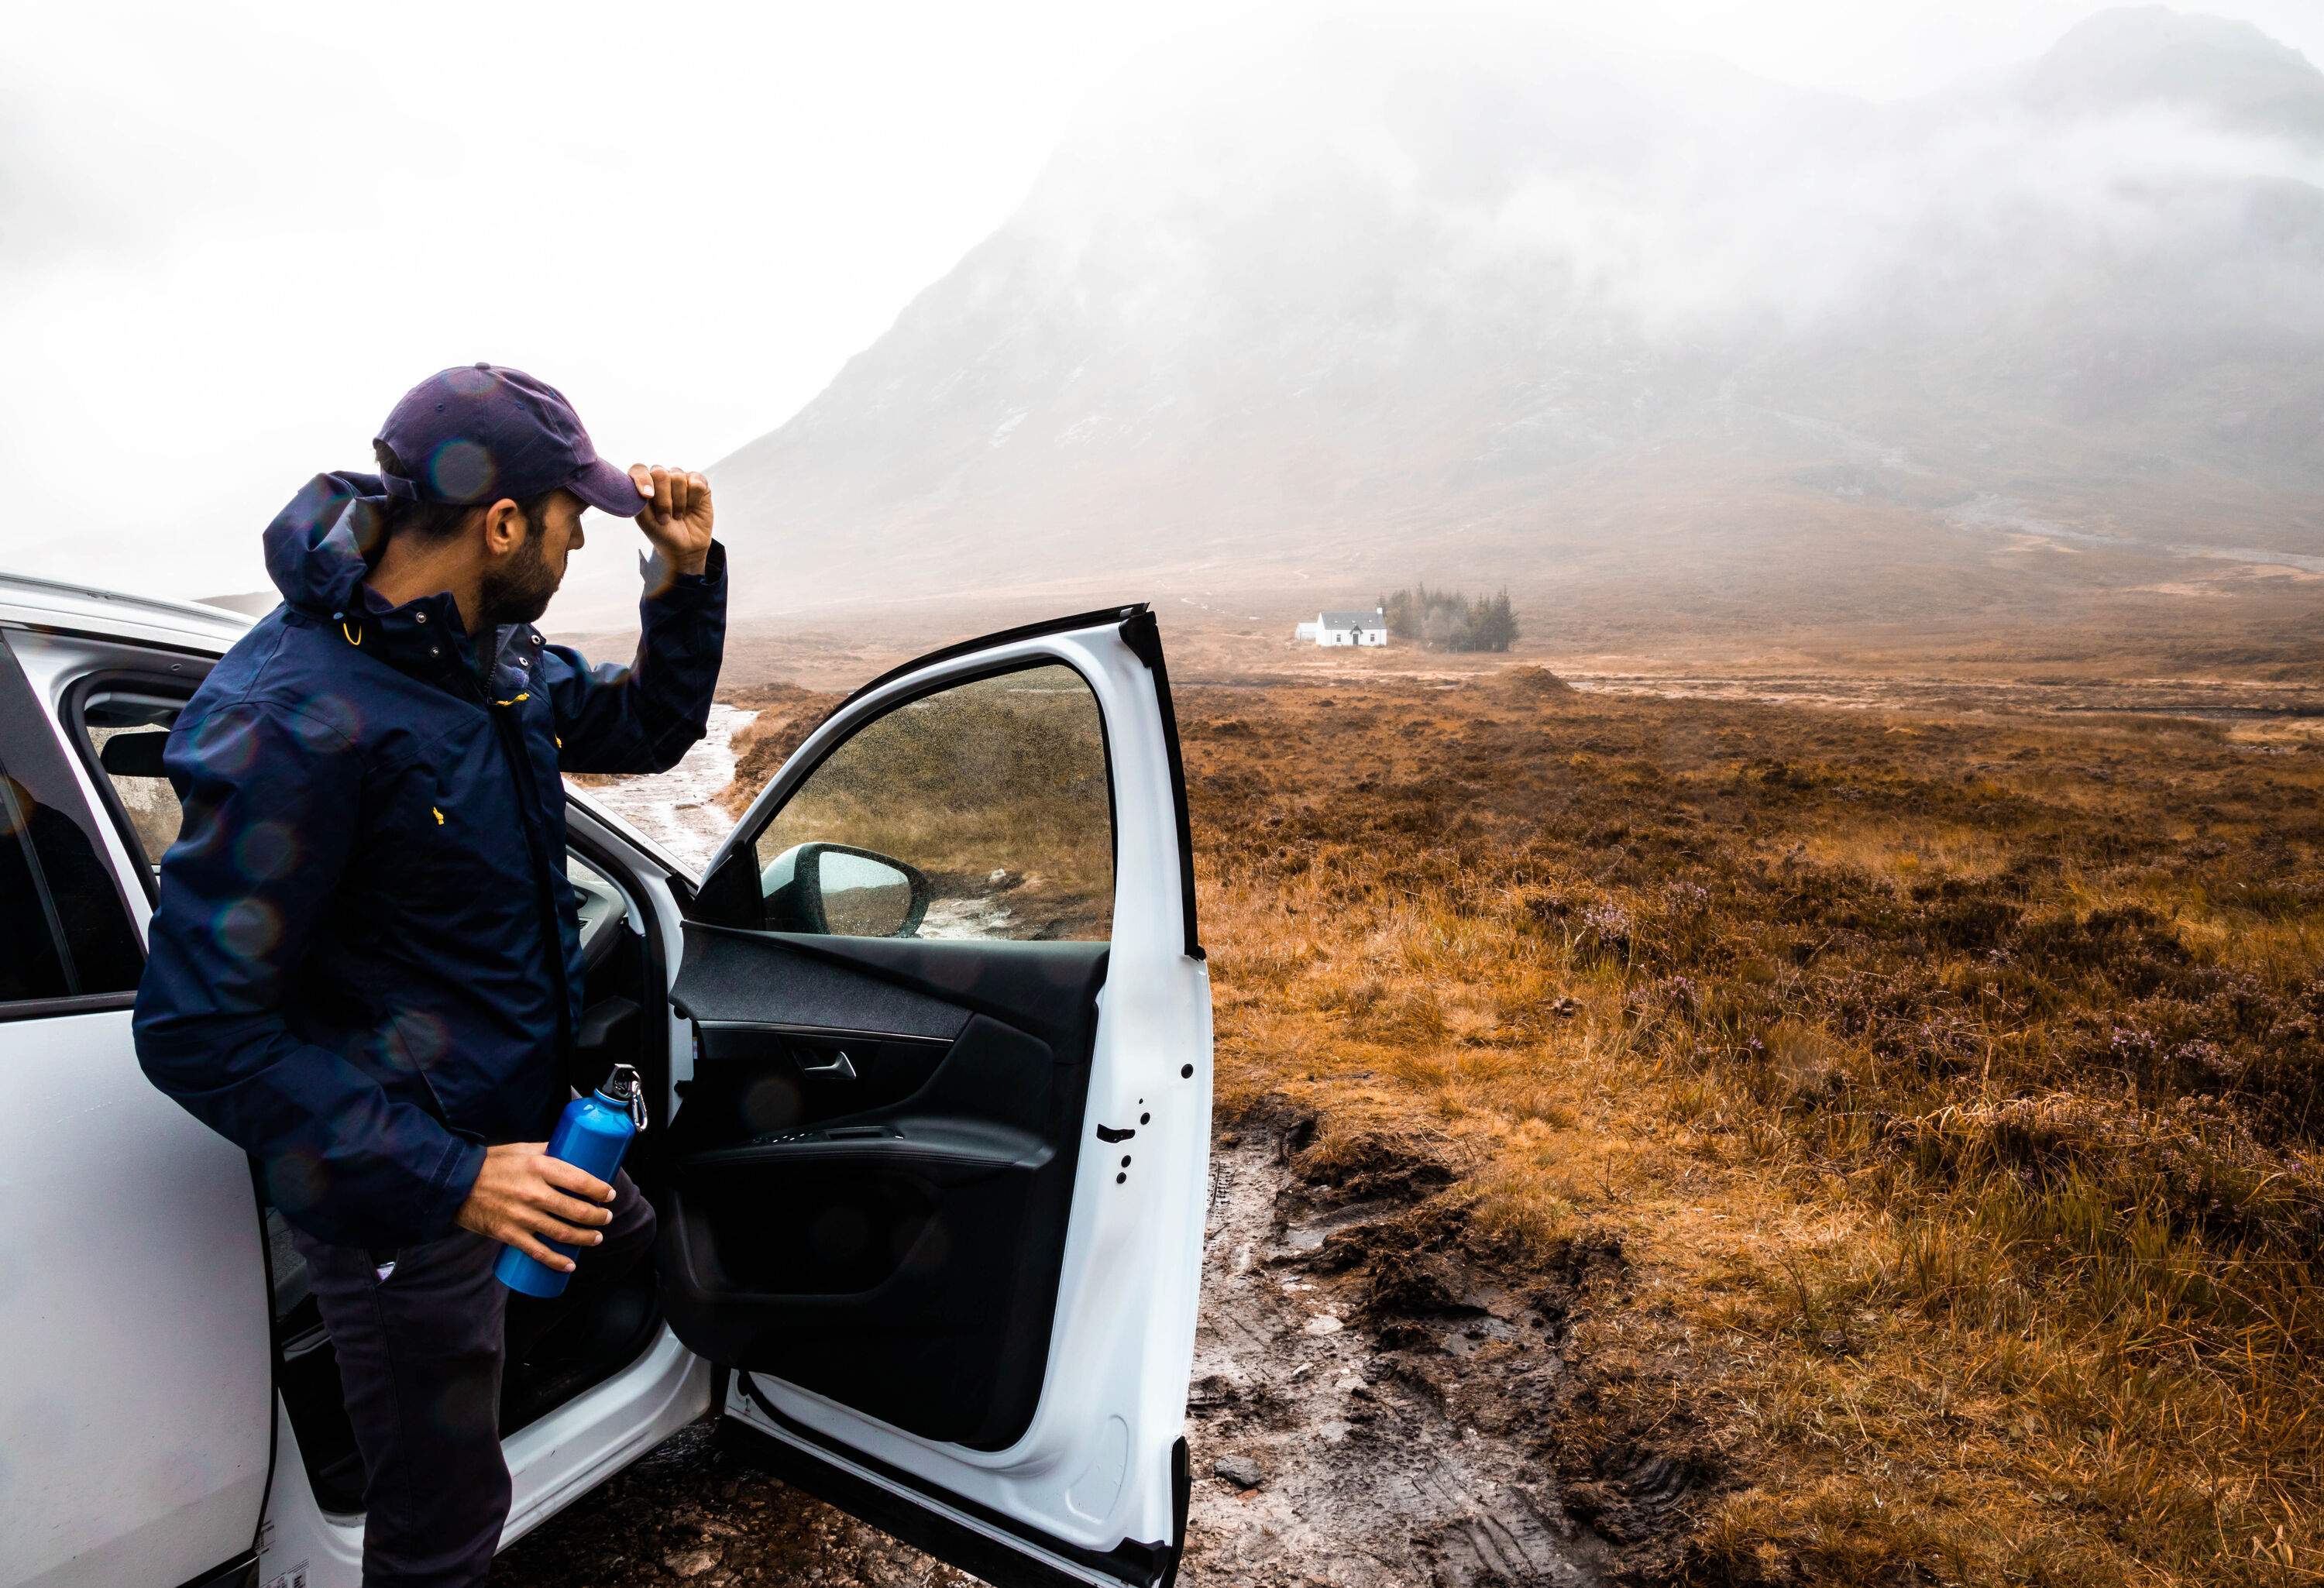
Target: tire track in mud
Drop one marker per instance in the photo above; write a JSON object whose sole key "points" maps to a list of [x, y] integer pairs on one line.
{"points": [[1394, 1449], [1370, 1476]]}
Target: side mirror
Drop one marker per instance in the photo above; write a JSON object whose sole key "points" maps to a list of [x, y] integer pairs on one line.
{"points": [[135, 755], [841, 891]]}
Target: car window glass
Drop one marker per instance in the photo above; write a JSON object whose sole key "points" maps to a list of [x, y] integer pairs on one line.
{"points": [[65, 930], [602, 905], [127, 733], [979, 811], [60, 912], [33, 966]]}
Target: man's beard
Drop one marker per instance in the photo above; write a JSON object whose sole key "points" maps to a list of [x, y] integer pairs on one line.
{"points": [[519, 591]]}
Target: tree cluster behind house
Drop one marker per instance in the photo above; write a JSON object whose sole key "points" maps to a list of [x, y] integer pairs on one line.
{"points": [[1446, 620]]}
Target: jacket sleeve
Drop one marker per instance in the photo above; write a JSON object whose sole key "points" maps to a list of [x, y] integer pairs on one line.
{"points": [[641, 718], [272, 802]]}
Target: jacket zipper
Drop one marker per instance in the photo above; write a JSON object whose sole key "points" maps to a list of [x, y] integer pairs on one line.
{"points": [[509, 732]]}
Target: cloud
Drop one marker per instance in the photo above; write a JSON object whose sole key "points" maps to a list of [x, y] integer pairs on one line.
{"points": [[230, 235], [1670, 197]]}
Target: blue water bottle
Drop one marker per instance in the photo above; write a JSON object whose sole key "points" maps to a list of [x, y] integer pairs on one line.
{"points": [[593, 1134]]}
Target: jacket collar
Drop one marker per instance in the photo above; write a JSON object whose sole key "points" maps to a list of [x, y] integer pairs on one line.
{"points": [[319, 550], [424, 637]]}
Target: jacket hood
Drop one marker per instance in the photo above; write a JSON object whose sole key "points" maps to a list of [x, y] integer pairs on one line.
{"points": [[321, 545]]}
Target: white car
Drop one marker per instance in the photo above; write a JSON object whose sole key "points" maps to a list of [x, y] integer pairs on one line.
{"points": [[929, 1141]]}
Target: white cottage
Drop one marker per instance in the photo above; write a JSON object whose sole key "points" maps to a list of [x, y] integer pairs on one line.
{"points": [[1347, 628]]}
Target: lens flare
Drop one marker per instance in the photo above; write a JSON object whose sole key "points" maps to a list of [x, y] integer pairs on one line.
{"points": [[265, 851], [248, 928], [334, 711], [461, 471], [426, 1036], [227, 743], [296, 1180]]}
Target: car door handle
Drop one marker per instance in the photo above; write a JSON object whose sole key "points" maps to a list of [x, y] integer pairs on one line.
{"points": [[841, 1067]]}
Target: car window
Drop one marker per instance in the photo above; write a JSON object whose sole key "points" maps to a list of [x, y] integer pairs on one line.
{"points": [[978, 811], [33, 966], [602, 905], [127, 731], [65, 930], [60, 912]]}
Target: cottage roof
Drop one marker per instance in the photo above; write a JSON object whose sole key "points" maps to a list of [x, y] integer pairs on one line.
{"points": [[1371, 618]]}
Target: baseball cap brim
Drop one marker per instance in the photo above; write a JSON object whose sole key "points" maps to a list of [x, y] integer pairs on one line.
{"points": [[608, 490]]}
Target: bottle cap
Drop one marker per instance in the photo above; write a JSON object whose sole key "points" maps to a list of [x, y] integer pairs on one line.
{"points": [[622, 1087]]}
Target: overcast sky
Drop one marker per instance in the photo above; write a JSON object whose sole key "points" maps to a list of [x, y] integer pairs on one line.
{"points": [[231, 235]]}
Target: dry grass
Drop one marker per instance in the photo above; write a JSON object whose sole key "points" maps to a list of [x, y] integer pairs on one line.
{"points": [[1951, 1087], [996, 789]]}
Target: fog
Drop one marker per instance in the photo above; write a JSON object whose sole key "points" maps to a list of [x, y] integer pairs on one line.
{"points": [[229, 238], [1684, 195]]}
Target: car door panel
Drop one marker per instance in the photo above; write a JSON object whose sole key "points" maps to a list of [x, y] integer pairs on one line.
{"points": [[938, 1199], [980, 1538], [132, 1254], [787, 980], [937, 1172]]}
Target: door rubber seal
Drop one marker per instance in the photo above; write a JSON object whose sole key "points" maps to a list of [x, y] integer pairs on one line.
{"points": [[1142, 1565]]}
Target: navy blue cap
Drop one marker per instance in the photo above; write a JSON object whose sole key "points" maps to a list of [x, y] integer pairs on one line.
{"points": [[479, 432]]}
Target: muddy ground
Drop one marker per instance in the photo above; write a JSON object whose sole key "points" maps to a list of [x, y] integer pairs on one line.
{"points": [[1378, 1396]]}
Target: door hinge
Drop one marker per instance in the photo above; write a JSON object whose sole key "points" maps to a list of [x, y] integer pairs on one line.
{"points": [[1143, 635]]}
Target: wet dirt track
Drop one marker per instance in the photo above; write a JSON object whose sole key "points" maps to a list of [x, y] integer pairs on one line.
{"points": [[1388, 1453], [1374, 1470]]}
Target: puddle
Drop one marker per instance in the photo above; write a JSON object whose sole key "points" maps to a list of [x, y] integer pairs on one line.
{"points": [[679, 808], [1310, 1233], [966, 917], [1470, 1338], [1371, 1474], [2221, 699]]}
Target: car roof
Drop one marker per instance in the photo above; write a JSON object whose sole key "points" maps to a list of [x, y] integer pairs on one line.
{"points": [[51, 604]]}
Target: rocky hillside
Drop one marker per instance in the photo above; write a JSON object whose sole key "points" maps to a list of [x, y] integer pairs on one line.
{"points": [[1643, 336]]}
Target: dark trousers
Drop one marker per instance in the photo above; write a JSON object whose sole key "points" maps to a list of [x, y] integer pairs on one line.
{"points": [[420, 1356]]}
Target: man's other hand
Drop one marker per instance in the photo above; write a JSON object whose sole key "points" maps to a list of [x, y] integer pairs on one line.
{"points": [[674, 510], [523, 1196]]}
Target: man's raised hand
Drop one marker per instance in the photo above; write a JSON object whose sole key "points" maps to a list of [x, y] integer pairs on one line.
{"points": [[674, 511]]}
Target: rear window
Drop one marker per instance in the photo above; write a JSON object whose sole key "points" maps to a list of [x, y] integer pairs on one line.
{"points": [[65, 930], [60, 915], [126, 732]]}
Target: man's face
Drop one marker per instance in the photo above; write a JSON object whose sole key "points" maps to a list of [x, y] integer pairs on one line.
{"points": [[517, 584], [557, 528]]}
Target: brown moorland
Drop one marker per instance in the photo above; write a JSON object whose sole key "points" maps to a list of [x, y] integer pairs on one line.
{"points": [[1911, 1117], [1948, 1086]]}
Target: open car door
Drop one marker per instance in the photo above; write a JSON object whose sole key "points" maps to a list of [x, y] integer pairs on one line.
{"points": [[937, 1178]]}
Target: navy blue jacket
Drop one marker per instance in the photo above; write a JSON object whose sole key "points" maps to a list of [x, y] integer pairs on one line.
{"points": [[365, 964]]}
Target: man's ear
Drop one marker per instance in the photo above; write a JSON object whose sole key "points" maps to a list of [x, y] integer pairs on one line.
{"points": [[504, 527]]}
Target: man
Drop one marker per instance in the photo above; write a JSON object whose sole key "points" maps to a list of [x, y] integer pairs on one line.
{"points": [[363, 966]]}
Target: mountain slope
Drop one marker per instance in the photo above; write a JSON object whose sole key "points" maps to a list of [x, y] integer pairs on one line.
{"points": [[1476, 303], [2227, 71]]}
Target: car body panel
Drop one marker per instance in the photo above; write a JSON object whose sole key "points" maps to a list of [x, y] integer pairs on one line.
{"points": [[1097, 1467], [132, 1278], [183, 625], [166, 1410], [132, 1298], [552, 1463]]}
